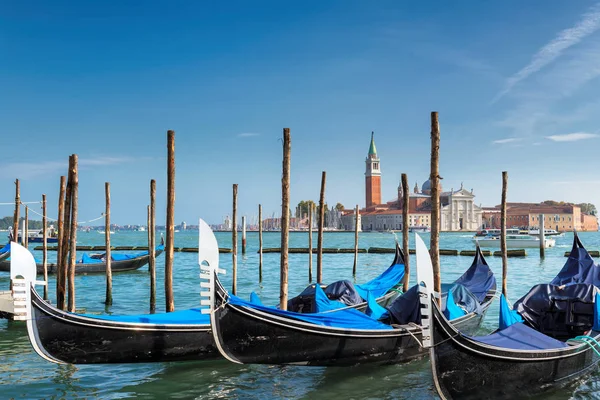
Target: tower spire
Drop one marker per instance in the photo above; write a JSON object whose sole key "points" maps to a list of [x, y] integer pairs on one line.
{"points": [[372, 148]]}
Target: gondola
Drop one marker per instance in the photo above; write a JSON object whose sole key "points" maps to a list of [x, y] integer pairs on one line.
{"points": [[5, 252], [64, 337], [95, 263], [550, 339], [246, 332]]}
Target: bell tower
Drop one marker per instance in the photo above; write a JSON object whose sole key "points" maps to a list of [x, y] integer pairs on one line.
{"points": [[372, 176]]}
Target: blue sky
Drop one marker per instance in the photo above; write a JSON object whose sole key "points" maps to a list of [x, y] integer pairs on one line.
{"points": [[515, 83]]}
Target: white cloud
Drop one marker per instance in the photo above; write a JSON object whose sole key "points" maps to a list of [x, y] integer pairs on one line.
{"points": [[572, 137], [26, 170], [248, 134], [507, 140], [588, 24]]}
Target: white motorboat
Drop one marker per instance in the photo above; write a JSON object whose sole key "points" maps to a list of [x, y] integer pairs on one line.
{"points": [[514, 241], [547, 232]]}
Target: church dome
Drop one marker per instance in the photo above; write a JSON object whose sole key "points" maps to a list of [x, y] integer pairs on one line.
{"points": [[426, 188]]}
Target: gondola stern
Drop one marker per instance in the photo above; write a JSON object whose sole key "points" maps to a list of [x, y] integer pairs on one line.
{"points": [[33, 329]]}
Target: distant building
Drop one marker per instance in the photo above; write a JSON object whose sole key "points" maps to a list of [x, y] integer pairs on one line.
{"points": [[227, 223], [458, 209], [183, 226]]}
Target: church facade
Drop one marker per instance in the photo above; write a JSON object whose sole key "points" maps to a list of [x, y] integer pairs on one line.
{"points": [[458, 209]]}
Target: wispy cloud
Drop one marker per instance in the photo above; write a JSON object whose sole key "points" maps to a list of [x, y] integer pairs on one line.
{"points": [[588, 24], [27, 170], [248, 134], [572, 137], [507, 140]]}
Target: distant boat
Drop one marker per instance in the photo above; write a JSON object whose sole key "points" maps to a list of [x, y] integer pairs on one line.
{"points": [[103, 232], [514, 241], [37, 236], [421, 228], [141, 229], [547, 232]]}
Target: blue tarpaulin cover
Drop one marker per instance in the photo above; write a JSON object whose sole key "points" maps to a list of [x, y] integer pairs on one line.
{"points": [[387, 280], [349, 318], [479, 278], [579, 268], [461, 296], [191, 316], [596, 326], [374, 310], [254, 299], [5, 248], [86, 259], [507, 316], [406, 308], [452, 311], [521, 337], [323, 303]]}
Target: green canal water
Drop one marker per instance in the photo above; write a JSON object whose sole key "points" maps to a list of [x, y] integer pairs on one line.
{"points": [[24, 375]]}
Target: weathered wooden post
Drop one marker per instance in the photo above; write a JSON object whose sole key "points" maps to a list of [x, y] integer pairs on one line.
{"points": [[243, 234], [152, 245], [45, 246], [310, 242], [59, 243], [434, 178], [61, 293], [285, 217], [503, 232], [26, 228], [17, 207], [260, 244], [109, 299], [405, 204], [320, 234], [73, 235], [170, 303], [234, 241], [356, 217], [542, 237]]}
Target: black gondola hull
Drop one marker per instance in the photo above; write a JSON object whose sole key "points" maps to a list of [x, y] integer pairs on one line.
{"points": [[246, 335], [71, 338], [466, 369]]}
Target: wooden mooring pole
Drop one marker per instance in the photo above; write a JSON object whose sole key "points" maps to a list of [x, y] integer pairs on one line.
{"points": [[109, 298], [260, 244], [45, 245], [73, 235], [243, 234], [61, 293], [234, 241], [320, 234], [59, 243], [434, 178], [285, 217], [542, 236], [405, 204], [26, 228], [356, 218], [503, 232], [310, 241], [152, 246], [17, 207], [170, 226]]}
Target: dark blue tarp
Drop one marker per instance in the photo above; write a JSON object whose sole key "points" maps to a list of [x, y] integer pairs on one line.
{"points": [[387, 280], [97, 259], [559, 311], [406, 308], [479, 278], [343, 291], [579, 268], [521, 337], [349, 318], [507, 316], [462, 297], [191, 316]]}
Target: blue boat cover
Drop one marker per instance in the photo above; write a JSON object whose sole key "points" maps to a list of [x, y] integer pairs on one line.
{"points": [[86, 259], [343, 291], [254, 299], [559, 311], [479, 278], [596, 326], [507, 316], [374, 310], [452, 311], [5, 248], [579, 268], [322, 302], [518, 336], [191, 316], [349, 319], [461, 296], [406, 308], [387, 280]]}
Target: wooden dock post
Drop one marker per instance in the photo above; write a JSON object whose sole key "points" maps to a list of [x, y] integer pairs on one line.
{"points": [[59, 243], [243, 234], [45, 245], [434, 179], [109, 298], [320, 234], [356, 215], [26, 228], [503, 232], [73, 235], [61, 293], [152, 246], [234, 241], [405, 204], [17, 207], [285, 217], [542, 237], [260, 244], [170, 226], [310, 242]]}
